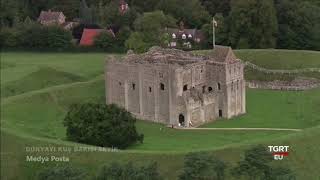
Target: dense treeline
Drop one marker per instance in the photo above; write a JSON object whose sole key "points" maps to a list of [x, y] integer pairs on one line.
{"points": [[256, 164], [30, 35], [288, 24]]}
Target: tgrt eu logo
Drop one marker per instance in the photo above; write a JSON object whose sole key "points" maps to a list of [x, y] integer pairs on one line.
{"points": [[279, 152]]}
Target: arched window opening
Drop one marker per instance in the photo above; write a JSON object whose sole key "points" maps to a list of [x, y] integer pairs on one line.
{"points": [[181, 120], [210, 89], [185, 87], [219, 86], [161, 86], [133, 86]]}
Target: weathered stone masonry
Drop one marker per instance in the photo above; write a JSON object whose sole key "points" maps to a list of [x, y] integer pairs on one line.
{"points": [[176, 87]]}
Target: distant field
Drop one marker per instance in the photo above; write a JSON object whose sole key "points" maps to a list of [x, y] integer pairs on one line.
{"points": [[37, 88], [15, 66], [281, 59], [278, 59]]}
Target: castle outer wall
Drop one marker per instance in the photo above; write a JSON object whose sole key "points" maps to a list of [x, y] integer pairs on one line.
{"points": [[195, 92]]}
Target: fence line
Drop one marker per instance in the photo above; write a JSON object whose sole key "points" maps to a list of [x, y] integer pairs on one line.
{"points": [[273, 86], [281, 71]]}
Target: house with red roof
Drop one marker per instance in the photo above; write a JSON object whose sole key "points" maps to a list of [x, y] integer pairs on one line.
{"points": [[88, 36]]}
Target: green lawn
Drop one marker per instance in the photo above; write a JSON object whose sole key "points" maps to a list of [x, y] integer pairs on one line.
{"points": [[304, 157], [15, 66], [41, 114], [278, 59], [281, 59], [277, 109], [37, 88]]}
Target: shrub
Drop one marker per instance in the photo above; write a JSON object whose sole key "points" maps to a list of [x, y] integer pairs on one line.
{"points": [[10, 37], [105, 41], [101, 125], [58, 38], [116, 171], [257, 165], [33, 35], [62, 173], [136, 43], [202, 166]]}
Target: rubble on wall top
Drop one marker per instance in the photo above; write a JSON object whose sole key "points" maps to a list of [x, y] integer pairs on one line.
{"points": [[156, 54]]}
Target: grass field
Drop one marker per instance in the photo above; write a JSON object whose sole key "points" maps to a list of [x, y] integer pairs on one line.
{"points": [[277, 59], [37, 88], [281, 59]]}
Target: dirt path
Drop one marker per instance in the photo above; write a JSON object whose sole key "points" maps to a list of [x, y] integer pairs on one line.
{"points": [[241, 129]]}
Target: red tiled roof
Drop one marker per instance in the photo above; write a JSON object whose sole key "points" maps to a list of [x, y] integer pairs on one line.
{"points": [[88, 36]]}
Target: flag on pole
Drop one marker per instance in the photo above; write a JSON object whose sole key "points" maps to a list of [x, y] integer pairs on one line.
{"points": [[215, 23]]}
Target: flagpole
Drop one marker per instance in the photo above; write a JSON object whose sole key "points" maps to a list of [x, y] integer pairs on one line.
{"points": [[213, 33]]}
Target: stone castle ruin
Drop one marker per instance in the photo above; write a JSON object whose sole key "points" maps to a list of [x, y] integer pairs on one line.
{"points": [[177, 88]]}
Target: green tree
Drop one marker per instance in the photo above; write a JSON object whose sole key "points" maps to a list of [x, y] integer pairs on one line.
{"points": [[203, 166], [221, 32], [257, 165], [101, 125], [34, 36], [149, 29], [191, 12], [122, 35], [105, 40], [58, 38], [151, 24], [299, 24], [136, 43], [281, 173], [116, 171], [253, 24], [108, 15], [10, 37], [85, 13], [62, 173], [217, 6]]}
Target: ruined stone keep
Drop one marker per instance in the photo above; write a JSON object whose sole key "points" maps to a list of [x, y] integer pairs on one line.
{"points": [[175, 87]]}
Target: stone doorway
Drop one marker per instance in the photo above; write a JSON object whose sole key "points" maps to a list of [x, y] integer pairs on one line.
{"points": [[181, 120], [220, 113]]}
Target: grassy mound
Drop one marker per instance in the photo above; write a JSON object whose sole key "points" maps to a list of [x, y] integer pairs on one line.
{"points": [[44, 77], [88, 65], [34, 118], [304, 157], [41, 114]]}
